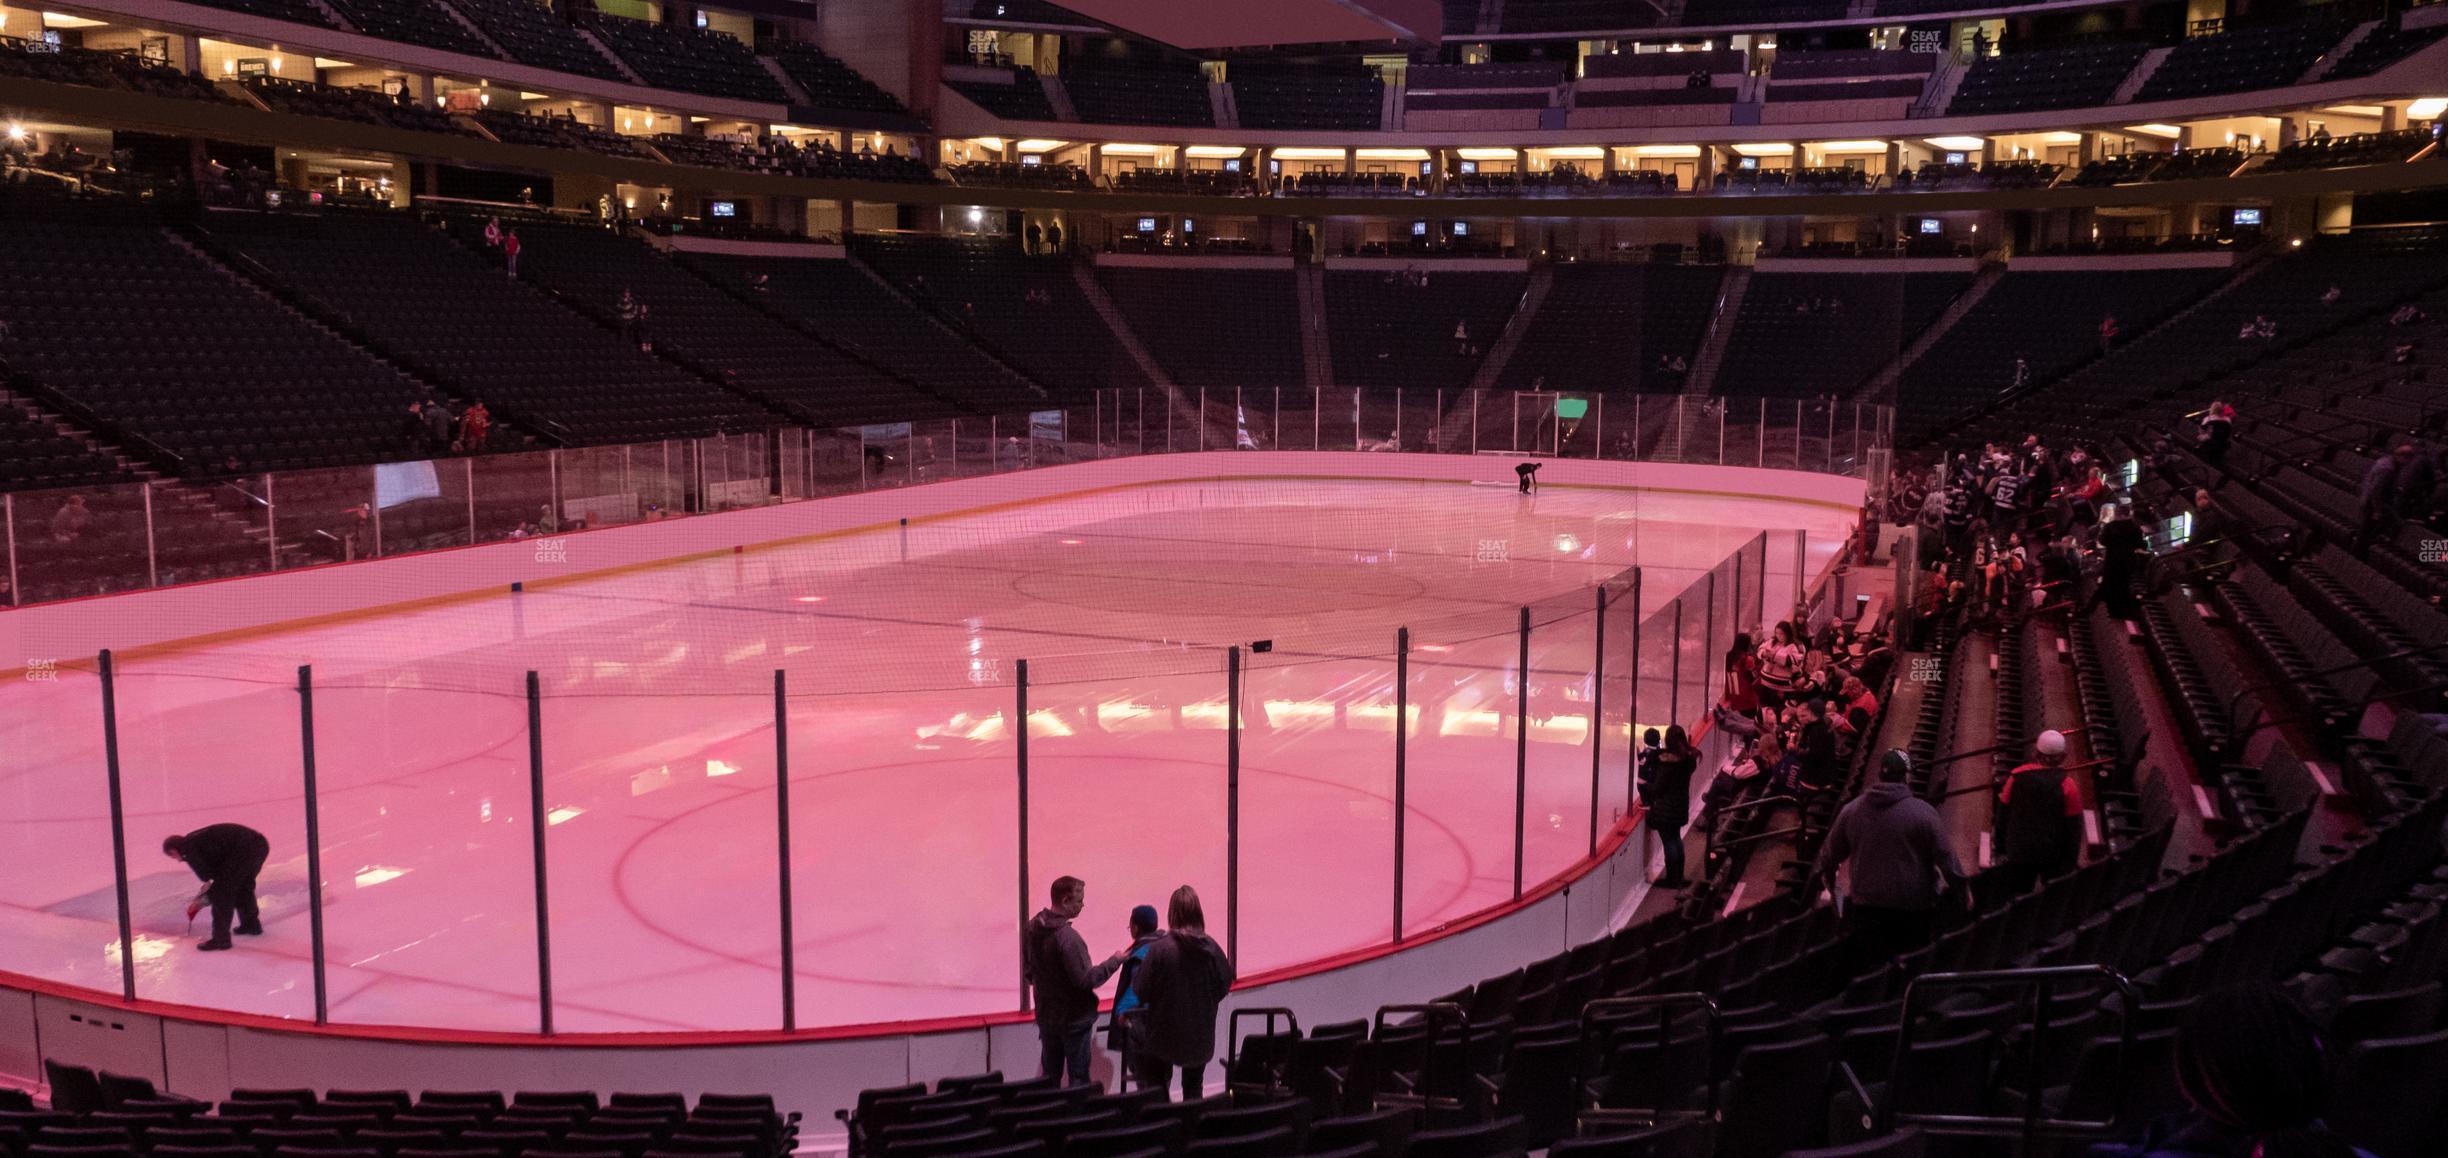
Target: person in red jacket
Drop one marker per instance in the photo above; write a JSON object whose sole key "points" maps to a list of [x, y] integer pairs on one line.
{"points": [[1741, 697], [510, 251], [473, 427], [2039, 819]]}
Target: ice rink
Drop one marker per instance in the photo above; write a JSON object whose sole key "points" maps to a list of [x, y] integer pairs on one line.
{"points": [[901, 651]]}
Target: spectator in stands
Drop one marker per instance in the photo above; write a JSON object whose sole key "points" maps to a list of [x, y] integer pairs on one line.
{"points": [[2083, 499], [1744, 773], [1053, 236], [1127, 1035], [2022, 373], [493, 233], [1932, 513], [1035, 235], [2251, 1066], [2006, 495], [2217, 432], [510, 252], [1861, 706], [1780, 665], [226, 857], [2330, 296], [69, 522], [1959, 511], [1812, 741], [2123, 552], [1893, 849], [2107, 333], [2388, 493], [2060, 564], [1183, 981], [2408, 314], [439, 426], [2039, 819], [474, 427], [1739, 706], [1063, 983], [1665, 792], [1871, 658]]}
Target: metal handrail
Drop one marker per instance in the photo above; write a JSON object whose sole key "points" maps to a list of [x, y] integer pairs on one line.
{"points": [[2032, 1123], [1665, 1004], [1755, 838]]}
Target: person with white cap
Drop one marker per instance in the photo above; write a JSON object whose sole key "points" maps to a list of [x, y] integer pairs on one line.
{"points": [[2039, 819]]}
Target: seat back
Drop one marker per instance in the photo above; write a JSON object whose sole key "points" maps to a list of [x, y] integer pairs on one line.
{"points": [[74, 1089], [1497, 1139]]}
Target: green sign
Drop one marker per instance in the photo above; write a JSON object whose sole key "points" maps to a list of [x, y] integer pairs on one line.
{"points": [[1572, 407]]}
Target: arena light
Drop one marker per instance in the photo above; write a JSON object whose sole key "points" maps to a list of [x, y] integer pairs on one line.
{"points": [[2061, 138], [1307, 153], [1666, 150], [64, 20], [1483, 153], [1216, 151], [1853, 146], [1400, 154], [16, 132], [2428, 108], [1040, 145], [995, 143], [1957, 144], [1575, 153], [2156, 130], [1132, 150], [1759, 149]]}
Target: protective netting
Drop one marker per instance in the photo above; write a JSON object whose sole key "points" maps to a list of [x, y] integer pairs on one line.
{"points": [[657, 712]]}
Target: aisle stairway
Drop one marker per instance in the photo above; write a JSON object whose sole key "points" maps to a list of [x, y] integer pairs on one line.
{"points": [[1720, 332]]}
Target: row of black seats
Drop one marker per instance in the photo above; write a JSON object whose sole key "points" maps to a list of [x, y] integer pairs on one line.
{"points": [[98, 1114]]}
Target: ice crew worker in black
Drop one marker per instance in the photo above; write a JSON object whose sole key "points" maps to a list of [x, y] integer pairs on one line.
{"points": [[226, 858]]}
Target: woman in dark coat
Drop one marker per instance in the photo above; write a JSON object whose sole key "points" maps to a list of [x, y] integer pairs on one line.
{"points": [[1183, 984], [1665, 791]]}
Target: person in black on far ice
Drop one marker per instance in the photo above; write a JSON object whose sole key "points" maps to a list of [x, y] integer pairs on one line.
{"points": [[1528, 474], [226, 858]]}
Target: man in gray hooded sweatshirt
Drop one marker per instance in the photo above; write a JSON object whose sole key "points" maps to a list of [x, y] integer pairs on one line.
{"points": [[1064, 983], [1895, 851]]}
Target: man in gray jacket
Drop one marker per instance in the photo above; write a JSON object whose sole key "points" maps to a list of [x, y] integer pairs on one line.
{"points": [[1064, 983], [1894, 849]]}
